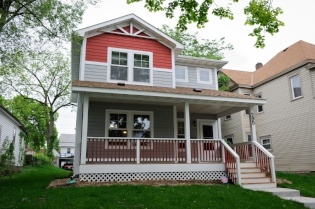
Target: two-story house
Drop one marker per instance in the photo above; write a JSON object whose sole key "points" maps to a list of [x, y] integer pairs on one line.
{"points": [[285, 124], [11, 132], [66, 145], [145, 112]]}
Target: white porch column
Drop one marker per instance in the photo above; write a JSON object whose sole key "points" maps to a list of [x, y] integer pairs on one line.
{"points": [[187, 133], [84, 128], [78, 136], [175, 133], [252, 124]]}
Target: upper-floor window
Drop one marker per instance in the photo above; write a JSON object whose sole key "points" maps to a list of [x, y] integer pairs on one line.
{"points": [[181, 73], [204, 75], [260, 108], [68, 150], [130, 66], [295, 82]]}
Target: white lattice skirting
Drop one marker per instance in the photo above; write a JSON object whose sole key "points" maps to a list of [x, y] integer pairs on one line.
{"points": [[125, 177]]}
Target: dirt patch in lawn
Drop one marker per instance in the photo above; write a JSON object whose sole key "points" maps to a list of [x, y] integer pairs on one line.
{"points": [[283, 181], [64, 183]]}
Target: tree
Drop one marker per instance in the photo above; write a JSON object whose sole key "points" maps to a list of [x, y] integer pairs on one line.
{"points": [[260, 14], [223, 81], [42, 76], [26, 23], [193, 47], [33, 116]]}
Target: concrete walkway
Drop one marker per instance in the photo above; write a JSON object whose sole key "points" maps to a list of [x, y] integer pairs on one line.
{"points": [[290, 194]]}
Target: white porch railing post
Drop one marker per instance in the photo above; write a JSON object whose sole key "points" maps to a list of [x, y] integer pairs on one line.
{"points": [[138, 151], [272, 169], [84, 128], [222, 153], [253, 130], [238, 168], [187, 133]]}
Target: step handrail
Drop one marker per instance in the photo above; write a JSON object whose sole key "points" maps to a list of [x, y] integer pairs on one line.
{"points": [[237, 159], [272, 162]]}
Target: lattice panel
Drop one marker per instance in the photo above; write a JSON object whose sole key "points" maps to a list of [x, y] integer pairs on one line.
{"points": [[125, 177]]}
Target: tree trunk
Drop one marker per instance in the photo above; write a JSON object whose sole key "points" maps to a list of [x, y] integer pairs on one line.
{"points": [[49, 134]]}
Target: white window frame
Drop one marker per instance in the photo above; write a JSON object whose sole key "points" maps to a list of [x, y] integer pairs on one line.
{"points": [[291, 86], [129, 127], [181, 120], [259, 95], [247, 137], [185, 68], [130, 66], [68, 150], [210, 71], [265, 138]]}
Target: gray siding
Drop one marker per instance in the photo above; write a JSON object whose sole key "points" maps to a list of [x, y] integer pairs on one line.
{"points": [[75, 61], [163, 118], [313, 81], [162, 78], [289, 123], [192, 80], [96, 73]]}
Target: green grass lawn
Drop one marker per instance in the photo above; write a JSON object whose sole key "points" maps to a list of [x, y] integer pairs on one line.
{"points": [[303, 182], [28, 189]]}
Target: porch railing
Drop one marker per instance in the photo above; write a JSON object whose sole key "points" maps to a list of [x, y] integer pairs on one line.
{"points": [[115, 150], [262, 157]]}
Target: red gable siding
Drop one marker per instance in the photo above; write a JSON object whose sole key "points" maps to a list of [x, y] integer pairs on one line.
{"points": [[96, 48]]}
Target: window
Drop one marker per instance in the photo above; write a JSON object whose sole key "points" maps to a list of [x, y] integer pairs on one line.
{"points": [[259, 107], [14, 135], [129, 124], [68, 150], [266, 142], [180, 128], [229, 139], [228, 117], [295, 82], [249, 137], [130, 66], [181, 73], [204, 75]]}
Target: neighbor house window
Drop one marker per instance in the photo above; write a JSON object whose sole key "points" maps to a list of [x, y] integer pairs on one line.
{"points": [[130, 66], [266, 142], [204, 75], [295, 82], [229, 139], [228, 117], [181, 73], [259, 107], [68, 150]]}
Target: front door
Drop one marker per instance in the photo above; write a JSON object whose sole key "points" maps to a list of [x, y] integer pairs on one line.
{"points": [[207, 148]]}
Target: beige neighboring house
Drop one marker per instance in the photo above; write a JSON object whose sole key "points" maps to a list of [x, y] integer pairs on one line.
{"points": [[286, 123], [66, 145]]}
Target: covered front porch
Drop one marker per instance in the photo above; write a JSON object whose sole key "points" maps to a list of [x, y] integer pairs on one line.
{"points": [[130, 134]]}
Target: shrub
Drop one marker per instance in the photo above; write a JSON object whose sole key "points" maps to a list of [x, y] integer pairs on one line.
{"points": [[40, 159]]}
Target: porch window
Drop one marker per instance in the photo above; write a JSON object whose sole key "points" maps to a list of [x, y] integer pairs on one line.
{"points": [[117, 125], [130, 66], [181, 73], [229, 139], [249, 137], [296, 90], [141, 126], [266, 142], [204, 75]]}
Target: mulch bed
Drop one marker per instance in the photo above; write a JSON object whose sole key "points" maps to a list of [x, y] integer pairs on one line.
{"points": [[63, 183]]}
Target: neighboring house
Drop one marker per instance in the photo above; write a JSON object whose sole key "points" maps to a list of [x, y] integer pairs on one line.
{"points": [[147, 113], [286, 124], [66, 145], [11, 131]]}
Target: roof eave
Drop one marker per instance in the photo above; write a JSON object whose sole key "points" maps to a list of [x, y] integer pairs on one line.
{"points": [[202, 61]]}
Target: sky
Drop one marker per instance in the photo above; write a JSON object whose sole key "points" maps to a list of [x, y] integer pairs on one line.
{"points": [[298, 16]]}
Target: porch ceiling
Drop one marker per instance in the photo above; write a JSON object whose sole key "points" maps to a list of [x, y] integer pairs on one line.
{"points": [[206, 101]]}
